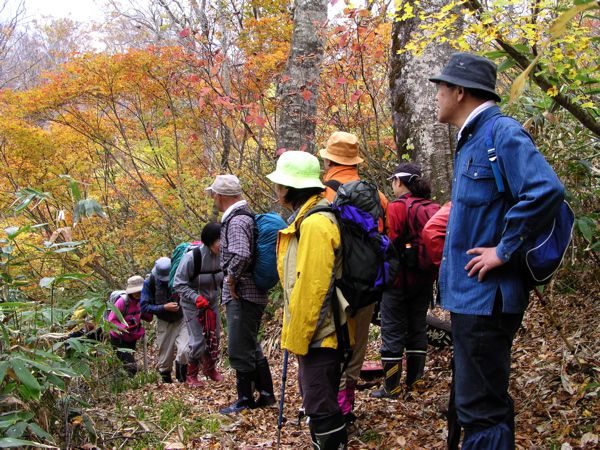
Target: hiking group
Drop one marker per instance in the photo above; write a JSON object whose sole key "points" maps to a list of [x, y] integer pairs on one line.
{"points": [[345, 249]]}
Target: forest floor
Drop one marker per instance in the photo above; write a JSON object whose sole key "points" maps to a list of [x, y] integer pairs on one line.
{"points": [[555, 395]]}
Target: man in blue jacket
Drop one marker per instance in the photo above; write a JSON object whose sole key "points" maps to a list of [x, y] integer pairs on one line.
{"points": [[481, 280]]}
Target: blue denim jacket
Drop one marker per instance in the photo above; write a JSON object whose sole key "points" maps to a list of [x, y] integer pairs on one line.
{"points": [[483, 217]]}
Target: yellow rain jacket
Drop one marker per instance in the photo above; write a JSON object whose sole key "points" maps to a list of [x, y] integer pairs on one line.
{"points": [[306, 269]]}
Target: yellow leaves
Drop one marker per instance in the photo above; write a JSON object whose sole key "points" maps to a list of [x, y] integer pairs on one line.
{"points": [[519, 84], [552, 92], [405, 12], [559, 27]]}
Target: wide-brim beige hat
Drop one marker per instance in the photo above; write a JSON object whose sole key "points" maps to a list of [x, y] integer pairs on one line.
{"points": [[134, 284], [342, 148]]}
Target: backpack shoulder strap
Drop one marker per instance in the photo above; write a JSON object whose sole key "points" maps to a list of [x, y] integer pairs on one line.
{"points": [[234, 213], [491, 152], [333, 184], [197, 255], [125, 303]]}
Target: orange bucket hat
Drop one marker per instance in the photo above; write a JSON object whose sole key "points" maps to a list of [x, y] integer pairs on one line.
{"points": [[342, 148]]}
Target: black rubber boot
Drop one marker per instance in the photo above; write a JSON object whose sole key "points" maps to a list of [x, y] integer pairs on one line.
{"points": [[166, 376], [392, 371], [328, 433], [180, 372], [415, 365], [264, 384], [245, 389]]}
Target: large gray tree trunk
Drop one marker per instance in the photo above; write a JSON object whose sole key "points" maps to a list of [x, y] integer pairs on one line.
{"points": [[414, 111], [299, 85]]}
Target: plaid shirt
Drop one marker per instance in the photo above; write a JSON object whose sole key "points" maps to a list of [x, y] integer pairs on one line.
{"points": [[237, 252]]}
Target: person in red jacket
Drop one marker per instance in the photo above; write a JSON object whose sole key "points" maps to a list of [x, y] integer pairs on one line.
{"points": [[434, 233], [404, 306]]}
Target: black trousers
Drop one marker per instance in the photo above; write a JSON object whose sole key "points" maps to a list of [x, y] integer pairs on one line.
{"points": [[127, 358], [319, 376]]}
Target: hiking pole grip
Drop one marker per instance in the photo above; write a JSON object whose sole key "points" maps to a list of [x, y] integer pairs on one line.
{"points": [[281, 396]]}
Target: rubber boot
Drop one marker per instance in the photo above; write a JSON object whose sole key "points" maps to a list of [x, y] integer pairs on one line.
{"points": [[209, 368], [392, 370], [264, 384], [244, 385], [415, 365], [180, 372], [328, 433], [191, 378], [166, 376]]}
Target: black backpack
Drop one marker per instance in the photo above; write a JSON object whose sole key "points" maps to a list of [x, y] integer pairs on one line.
{"points": [[369, 260]]}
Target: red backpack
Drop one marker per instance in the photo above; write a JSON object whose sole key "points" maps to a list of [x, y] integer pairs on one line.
{"points": [[413, 254]]}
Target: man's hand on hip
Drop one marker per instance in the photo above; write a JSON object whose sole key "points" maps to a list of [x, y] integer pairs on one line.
{"points": [[231, 282], [485, 261]]}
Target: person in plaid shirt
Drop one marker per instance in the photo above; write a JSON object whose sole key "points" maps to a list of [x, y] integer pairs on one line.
{"points": [[244, 302]]}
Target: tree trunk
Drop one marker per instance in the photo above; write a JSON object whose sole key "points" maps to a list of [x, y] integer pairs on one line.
{"points": [[414, 110], [299, 84]]}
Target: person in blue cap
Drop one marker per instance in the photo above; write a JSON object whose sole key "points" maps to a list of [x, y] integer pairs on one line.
{"points": [[481, 280]]}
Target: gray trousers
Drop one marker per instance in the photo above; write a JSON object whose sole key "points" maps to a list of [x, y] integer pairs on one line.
{"points": [[243, 323], [171, 340], [196, 333]]}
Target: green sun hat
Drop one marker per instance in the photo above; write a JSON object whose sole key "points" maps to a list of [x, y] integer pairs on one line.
{"points": [[296, 169]]}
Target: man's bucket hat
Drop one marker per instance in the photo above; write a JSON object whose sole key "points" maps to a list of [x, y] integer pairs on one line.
{"points": [[296, 169], [342, 148], [470, 71], [134, 284], [228, 185], [161, 268]]}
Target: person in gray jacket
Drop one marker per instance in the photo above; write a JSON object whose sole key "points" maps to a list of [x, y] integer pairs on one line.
{"points": [[199, 290]]}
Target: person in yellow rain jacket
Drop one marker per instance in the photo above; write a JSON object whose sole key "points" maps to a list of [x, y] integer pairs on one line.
{"points": [[308, 261]]}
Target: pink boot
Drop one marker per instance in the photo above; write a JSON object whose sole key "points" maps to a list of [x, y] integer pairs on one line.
{"points": [[209, 368], [191, 377]]}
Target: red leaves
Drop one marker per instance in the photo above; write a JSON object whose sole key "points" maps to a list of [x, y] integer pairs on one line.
{"points": [[256, 119], [184, 33], [357, 94], [306, 95]]}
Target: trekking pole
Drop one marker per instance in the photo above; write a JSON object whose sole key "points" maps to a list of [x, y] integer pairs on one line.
{"points": [[283, 380], [145, 353]]}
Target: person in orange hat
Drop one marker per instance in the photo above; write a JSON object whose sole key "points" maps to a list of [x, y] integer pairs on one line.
{"points": [[340, 160]]}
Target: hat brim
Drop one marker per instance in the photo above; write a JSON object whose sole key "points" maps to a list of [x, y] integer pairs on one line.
{"points": [[227, 194], [158, 277], [134, 290], [346, 161], [464, 83], [297, 182]]}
